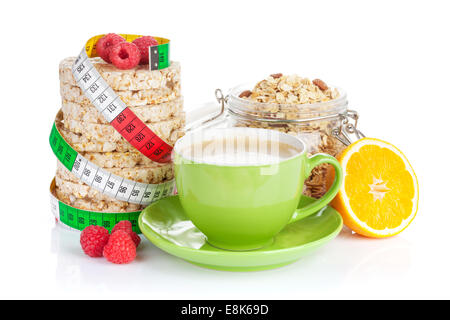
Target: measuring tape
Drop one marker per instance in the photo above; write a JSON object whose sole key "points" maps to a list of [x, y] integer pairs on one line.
{"points": [[115, 112], [103, 181], [113, 109], [78, 219]]}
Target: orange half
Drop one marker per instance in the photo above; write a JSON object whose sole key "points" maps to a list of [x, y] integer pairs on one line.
{"points": [[379, 195]]}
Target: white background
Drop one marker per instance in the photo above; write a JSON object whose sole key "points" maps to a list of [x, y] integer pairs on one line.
{"points": [[392, 57]]}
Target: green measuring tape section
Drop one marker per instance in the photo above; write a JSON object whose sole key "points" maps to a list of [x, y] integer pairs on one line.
{"points": [[63, 151], [164, 59], [80, 219]]}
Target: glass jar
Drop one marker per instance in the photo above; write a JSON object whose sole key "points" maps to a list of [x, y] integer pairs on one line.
{"points": [[324, 127]]}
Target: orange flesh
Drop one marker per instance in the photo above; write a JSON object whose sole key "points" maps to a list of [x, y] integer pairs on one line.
{"points": [[379, 188]]}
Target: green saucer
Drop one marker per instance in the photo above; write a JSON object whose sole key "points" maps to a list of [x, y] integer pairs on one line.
{"points": [[165, 224]]}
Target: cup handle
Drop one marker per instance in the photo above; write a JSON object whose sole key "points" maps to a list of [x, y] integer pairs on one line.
{"points": [[311, 163]]}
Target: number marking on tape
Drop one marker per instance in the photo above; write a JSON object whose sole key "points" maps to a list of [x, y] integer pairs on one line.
{"points": [[106, 182], [79, 219]]}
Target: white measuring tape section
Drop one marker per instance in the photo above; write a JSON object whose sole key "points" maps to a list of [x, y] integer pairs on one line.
{"points": [[103, 181]]}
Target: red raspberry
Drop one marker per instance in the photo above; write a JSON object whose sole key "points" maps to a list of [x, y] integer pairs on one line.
{"points": [[93, 239], [136, 239], [126, 226], [120, 248], [105, 44], [143, 43], [125, 55]]}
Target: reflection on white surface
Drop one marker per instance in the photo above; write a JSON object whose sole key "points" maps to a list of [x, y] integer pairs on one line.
{"points": [[349, 260], [376, 257]]}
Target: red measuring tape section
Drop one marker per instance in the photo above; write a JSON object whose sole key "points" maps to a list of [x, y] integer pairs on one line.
{"points": [[141, 137], [114, 110]]}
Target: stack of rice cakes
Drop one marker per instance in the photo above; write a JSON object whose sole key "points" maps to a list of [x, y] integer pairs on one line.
{"points": [[154, 96]]}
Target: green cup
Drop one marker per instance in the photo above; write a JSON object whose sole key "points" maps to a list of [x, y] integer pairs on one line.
{"points": [[242, 206]]}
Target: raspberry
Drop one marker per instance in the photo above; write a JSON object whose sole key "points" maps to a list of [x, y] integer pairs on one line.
{"points": [[126, 226], [136, 239], [105, 44], [120, 248], [93, 239], [143, 43], [125, 55]]}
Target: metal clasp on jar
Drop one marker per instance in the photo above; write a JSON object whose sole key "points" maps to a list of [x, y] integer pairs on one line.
{"points": [[222, 101], [347, 128]]}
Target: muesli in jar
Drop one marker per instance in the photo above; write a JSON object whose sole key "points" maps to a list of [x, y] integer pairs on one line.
{"points": [[295, 105]]}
